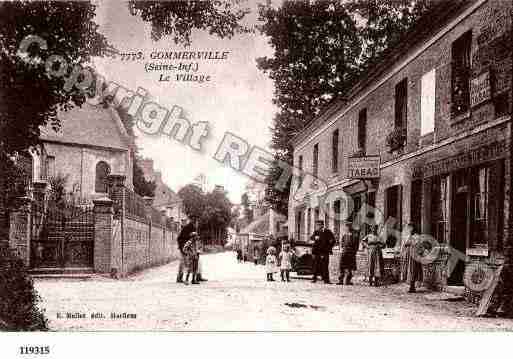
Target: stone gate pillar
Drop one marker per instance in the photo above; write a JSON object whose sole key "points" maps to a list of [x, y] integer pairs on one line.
{"points": [[20, 227], [103, 219]]}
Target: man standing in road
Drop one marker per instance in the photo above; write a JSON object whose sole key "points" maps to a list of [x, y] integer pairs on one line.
{"points": [[323, 243], [187, 228], [183, 237]]}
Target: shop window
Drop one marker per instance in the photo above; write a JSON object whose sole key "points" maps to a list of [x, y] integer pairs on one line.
{"points": [[393, 214], [334, 151], [440, 208], [416, 203], [102, 171], [337, 215], [362, 129], [315, 160], [326, 216], [427, 103], [479, 206], [461, 71]]}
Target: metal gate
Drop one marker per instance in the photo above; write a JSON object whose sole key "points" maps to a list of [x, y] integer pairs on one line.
{"points": [[62, 236]]}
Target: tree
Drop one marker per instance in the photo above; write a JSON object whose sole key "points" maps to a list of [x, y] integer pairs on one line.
{"points": [[212, 210], [320, 49], [217, 216], [316, 51], [142, 186], [385, 22], [69, 30], [179, 18], [193, 201]]}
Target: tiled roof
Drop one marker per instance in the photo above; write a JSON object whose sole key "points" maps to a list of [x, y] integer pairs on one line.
{"points": [[89, 125]]}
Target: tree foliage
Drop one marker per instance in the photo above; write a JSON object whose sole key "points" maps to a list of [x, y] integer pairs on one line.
{"points": [[320, 49], [18, 298], [179, 18], [30, 98], [142, 186], [211, 210], [385, 24], [193, 201]]}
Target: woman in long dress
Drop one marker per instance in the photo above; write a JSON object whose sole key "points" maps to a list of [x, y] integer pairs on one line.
{"points": [[411, 250], [374, 246]]}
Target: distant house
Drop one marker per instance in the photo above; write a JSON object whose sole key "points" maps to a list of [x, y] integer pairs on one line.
{"points": [[266, 226], [91, 143], [165, 198]]}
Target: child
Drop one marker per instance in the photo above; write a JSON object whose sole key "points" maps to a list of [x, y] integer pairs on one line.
{"points": [[191, 256], [286, 263], [270, 263]]}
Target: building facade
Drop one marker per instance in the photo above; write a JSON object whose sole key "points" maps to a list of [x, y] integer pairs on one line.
{"points": [[165, 199], [90, 144], [436, 111]]}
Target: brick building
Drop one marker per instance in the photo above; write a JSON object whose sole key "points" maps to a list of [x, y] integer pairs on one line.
{"points": [[436, 111]]}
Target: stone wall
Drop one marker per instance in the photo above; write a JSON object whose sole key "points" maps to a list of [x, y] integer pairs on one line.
{"points": [[124, 245]]}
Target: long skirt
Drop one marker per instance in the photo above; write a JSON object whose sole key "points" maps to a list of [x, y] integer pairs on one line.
{"points": [[411, 268], [376, 263]]}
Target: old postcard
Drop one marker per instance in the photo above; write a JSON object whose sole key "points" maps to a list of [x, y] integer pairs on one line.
{"points": [[255, 165]]}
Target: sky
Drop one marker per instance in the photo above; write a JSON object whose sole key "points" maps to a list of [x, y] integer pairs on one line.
{"points": [[238, 99]]}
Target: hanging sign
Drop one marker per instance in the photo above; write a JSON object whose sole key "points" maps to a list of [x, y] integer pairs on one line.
{"points": [[365, 167], [480, 89]]}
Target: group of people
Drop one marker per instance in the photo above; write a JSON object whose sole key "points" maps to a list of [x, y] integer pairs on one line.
{"points": [[324, 240], [323, 243], [283, 262], [190, 247]]}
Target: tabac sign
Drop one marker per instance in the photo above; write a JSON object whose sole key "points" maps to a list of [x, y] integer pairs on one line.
{"points": [[480, 89], [365, 167]]}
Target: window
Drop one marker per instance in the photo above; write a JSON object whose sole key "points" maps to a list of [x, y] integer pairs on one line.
{"points": [[461, 70], [326, 216], [334, 152], [415, 203], [362, 129], [427, 102], [309, 222], [300, 165], [316, 160], [337, 222], [299, 226], [440, 208], [401, 104], [479, 205], [393, 214], [102, 171], [50, 167]]}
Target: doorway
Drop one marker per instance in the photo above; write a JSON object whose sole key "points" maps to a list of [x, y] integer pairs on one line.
{"points": [[460, 220]]}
